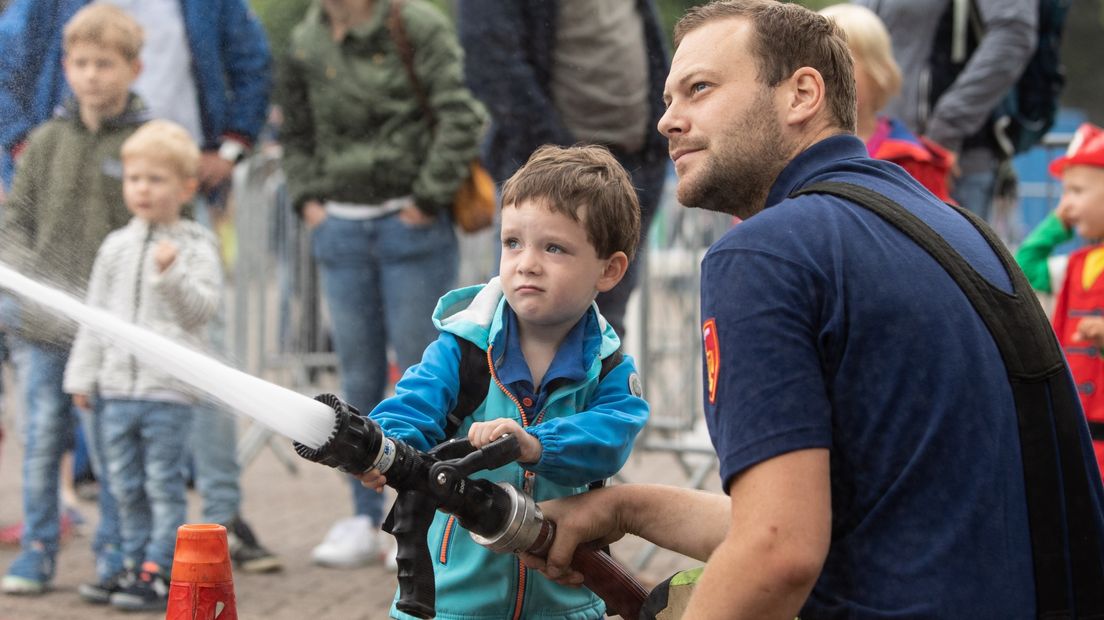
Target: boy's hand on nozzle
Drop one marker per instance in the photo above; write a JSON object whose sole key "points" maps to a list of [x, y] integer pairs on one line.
{"points": [[373, 479], [483, 433], [164, 255], [82, 401], [1091, 329]]}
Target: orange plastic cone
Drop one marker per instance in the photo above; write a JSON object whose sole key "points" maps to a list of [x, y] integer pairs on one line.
{"points": [[202, 586]]}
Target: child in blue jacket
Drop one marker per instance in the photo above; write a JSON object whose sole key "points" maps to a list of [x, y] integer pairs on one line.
{"points": [[570, 224]]}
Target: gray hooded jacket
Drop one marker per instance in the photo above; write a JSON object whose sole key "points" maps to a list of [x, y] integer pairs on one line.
{"points": [[993, 69]]}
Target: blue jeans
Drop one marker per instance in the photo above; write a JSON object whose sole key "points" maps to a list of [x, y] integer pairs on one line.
{"points": [[48, 430], [215, 458], [381, 280], [214, 430], [974, 192], [50, 421], [106, 544], [144, 446]]}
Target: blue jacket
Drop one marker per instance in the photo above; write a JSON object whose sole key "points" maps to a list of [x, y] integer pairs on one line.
{"points": [[230, 59], [508, 49], [586, 430]]}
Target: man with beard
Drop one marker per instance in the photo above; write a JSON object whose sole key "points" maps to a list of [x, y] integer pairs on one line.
{"points": [[862, 411]]}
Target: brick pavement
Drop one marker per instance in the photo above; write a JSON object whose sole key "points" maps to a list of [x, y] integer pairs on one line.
{"points": [[290, 513]]}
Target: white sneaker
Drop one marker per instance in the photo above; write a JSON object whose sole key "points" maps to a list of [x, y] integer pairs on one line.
{"points": [[350, 543]]}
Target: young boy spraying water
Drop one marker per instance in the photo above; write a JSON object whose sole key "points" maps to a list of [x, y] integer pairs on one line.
{"points": [[66, 197], [163, 273], [570, 224]]}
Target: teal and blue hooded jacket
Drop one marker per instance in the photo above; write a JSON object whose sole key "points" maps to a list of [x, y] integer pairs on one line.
{"points": [[586, 430]]}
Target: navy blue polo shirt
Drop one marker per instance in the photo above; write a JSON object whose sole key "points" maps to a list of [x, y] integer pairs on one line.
{"points": [[825, 327], [570, 364]]}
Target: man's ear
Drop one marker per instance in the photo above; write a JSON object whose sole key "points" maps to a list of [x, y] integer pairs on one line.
{"points": [[616, 266], [805, 93]]}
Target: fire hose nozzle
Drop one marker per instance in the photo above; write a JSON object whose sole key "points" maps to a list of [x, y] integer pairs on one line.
{"points": [[498, 516], [525, 528], [355, 445]]}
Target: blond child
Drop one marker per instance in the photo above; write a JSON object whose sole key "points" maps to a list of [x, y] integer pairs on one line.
{"points": [[164, 274], [570, 224], [1078, 319], [877, 80], [66, 197]]}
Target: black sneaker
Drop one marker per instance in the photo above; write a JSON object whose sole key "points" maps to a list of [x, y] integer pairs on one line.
{"points": [[100, 593], [147, 591], [246, 553]]}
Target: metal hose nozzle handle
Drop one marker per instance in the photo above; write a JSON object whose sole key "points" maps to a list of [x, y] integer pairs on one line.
{"points": [[497, 515]]}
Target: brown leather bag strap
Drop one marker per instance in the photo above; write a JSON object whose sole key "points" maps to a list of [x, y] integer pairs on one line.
{"points": [[406, 53]]}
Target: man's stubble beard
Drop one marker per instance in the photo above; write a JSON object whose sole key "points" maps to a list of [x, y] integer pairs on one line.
{"points": [[737, 179]]}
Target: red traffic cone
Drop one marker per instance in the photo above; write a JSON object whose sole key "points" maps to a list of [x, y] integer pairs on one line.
{"points": [[202, 586]]}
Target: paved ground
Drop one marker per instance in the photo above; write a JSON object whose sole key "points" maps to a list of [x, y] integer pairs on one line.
{"points": [[290, 513]]}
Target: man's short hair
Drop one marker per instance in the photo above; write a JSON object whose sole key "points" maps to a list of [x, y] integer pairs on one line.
{"points": [[870, 45], [104, 25], [567, 179], [786, 38], [165, 142]]}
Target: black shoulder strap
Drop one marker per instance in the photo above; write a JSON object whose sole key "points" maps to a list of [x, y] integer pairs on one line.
{"points": [[613, 360], [1049, 415], [475, 380]]}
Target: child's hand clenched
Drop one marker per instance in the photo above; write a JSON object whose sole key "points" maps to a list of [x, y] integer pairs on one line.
{"points": [[483, 433], [164, 254]]}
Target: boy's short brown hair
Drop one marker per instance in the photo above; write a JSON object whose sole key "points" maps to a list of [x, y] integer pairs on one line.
{"points": [[105, 25], [165, 142], [567, 179]]}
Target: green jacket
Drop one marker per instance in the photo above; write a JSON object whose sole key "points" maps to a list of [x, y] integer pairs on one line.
{"points": [[66, 197], [1036, 249], [354, 130]]}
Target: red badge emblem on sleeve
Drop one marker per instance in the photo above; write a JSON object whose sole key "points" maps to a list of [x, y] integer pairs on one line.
{"points": [[712, 349]]}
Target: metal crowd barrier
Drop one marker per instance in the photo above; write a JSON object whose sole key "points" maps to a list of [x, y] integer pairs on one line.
{"points": [[278, 330]]}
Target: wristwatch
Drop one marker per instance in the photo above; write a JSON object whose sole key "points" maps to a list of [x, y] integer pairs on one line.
{"points": [[232, 151]]}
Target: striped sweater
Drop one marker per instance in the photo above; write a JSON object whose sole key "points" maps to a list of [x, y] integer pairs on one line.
{"points": [[177, 304]]}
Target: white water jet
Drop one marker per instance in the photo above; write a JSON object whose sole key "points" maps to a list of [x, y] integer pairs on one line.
{"points": [[284, 411]]}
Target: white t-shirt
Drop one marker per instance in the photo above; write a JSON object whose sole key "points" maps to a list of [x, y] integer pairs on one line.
{"points": [[166, 82]]}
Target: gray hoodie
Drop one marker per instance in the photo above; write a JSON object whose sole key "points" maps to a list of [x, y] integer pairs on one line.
{"points": [[993, 69]]}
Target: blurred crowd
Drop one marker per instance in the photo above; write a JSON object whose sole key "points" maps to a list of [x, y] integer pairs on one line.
{"points": [[379, 107]]}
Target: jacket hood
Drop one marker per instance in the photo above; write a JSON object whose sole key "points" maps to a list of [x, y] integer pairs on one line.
{"points": [[474, 313], [135, 112]]}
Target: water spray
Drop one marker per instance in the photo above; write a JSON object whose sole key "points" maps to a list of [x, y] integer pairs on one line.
{"points": [[284, 411], [328, 431]]}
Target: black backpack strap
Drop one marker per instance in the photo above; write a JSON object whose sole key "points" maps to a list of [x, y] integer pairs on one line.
{"points": [[1049, 415], [475, 380], [613, 360]]}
